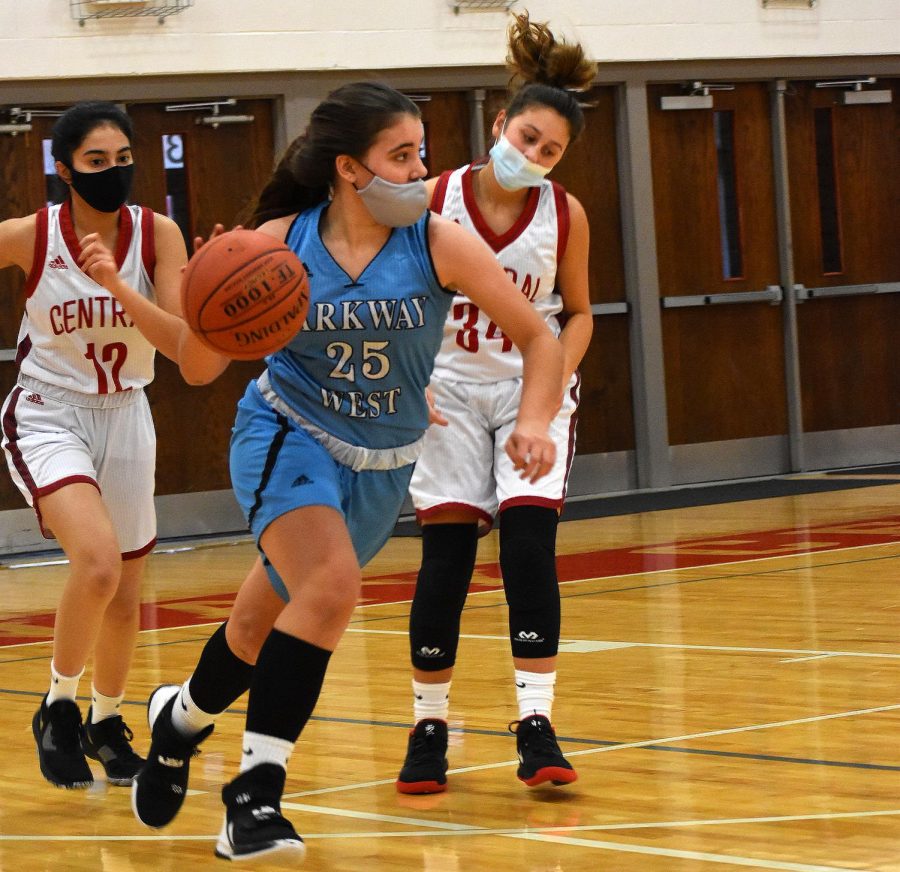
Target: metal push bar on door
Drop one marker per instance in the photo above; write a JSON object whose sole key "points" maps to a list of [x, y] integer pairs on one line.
{"points": [[772, 294]]}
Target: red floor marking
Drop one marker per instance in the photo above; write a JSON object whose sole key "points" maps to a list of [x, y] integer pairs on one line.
{"points": [[398, 587]]}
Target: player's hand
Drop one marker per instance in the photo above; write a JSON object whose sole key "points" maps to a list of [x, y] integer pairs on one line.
{"points": [[98, 262], [218, 230], [531, 451], [434, 413]]}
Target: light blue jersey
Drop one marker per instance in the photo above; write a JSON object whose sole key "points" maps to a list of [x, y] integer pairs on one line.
{"points": [[338, 416], [359, 367]]}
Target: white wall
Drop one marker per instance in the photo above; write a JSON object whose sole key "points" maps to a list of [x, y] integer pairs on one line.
{"points": [[40, 40]]}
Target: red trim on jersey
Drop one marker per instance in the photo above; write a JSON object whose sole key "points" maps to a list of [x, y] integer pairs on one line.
{"points": [[562, 220], [40, 252], [485, 521], [148, 244], [497, 241], [23, 349], [543, 502], [11, 432], [140, 552], [575, 394], [67, 226], [126, 231], [440, 191], [63, 482]]}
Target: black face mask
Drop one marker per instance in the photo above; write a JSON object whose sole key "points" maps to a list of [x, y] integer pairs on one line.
{"points": [[105, 191]]}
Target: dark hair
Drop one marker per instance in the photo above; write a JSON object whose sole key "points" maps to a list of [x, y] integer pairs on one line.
{"points": [[548, 72], [76, 123], [347, 121]]}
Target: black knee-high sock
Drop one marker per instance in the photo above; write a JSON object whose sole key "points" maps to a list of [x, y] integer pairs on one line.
{"points": [[286, 684], [220, 676]]}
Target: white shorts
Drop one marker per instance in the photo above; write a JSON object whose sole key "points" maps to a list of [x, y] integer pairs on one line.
{"points": [[465, 464], [53, 437]]}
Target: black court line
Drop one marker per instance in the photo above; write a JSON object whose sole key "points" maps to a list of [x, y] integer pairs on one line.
{"points": [[573, 740]]}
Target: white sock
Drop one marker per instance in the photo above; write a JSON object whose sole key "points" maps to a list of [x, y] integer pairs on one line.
{"points": [[62, 686], [103, 707], [187, 717], [258, 748], [431, 700], [534, 692]]}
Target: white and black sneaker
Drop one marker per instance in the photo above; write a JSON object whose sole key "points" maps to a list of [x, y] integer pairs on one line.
{"points": [[158, 790], [109, 741], [58, 732], [254, 827]]}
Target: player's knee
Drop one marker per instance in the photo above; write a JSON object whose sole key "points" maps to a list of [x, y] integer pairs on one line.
{"points": [[448, 559], [98, 574], [245, 635], [528, 563], [335, 593]]}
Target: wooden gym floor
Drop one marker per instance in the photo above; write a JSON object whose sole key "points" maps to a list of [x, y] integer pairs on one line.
{"points": [[729, 691]]}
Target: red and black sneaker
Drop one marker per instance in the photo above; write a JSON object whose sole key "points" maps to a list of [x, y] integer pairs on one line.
{"points": [[540, 759], [425, 767]]}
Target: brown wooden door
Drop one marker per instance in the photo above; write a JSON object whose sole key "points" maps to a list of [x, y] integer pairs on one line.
{"points": [[223, 169], [447, 119], [715, 217], [845, 192], [589, 171], [24, 188]]}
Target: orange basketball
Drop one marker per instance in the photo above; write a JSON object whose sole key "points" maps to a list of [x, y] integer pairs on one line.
{"points": [[245, 294]]}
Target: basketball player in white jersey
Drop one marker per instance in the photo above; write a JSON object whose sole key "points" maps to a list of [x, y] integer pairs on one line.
{"points": [[102, 280], [462, 481]]}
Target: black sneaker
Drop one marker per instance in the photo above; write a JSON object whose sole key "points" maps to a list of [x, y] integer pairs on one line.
{"points": [[425, 767], [158, 790], [108, 741], [540, 759], [58, 732], [254, 826]]}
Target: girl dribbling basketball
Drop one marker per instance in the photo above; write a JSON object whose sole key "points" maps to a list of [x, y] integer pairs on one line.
{"points": [[324, 442]]}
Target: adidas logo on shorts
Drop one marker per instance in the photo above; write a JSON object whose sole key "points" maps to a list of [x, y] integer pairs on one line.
{"points": [[34, 398], [57, 263]]}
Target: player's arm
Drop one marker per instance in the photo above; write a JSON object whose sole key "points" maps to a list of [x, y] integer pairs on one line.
{"points": [[17, 242], [464, 262], [160, 323], [572, 283]]}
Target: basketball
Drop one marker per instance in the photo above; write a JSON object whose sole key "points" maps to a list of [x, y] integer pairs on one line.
{"points": [[245, 294]]}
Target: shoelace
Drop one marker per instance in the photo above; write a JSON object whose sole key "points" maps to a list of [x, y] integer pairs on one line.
{"points": [[423, 746], [537, 737], [118, 737]]}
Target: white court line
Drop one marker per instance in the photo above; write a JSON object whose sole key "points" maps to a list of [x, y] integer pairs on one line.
{"points": [[681, 855], [634, 575], [624, 746], [552, 835]]}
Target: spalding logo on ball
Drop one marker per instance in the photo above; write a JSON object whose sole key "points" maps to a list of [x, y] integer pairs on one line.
{"points": [[245, 294]]}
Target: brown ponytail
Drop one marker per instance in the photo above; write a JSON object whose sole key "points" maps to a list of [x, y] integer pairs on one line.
{"points": [[547, 71]]}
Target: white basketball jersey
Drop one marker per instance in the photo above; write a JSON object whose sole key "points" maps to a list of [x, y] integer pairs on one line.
{"points": [[474, 349], [74, 333]]}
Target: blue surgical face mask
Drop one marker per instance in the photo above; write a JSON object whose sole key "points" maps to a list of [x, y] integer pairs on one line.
{"points": [[512, 170], [394, 205]]}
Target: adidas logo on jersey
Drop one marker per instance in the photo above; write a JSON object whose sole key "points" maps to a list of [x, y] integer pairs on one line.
{"points": [[57, 263], [34, 398]]}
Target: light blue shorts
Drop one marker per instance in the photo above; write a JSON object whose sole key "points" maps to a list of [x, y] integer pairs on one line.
{"points": [[276, 467]]}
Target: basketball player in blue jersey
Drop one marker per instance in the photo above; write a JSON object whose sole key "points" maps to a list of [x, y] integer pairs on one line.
{"points": [[101, 295], [324, 442], [539, 234]]}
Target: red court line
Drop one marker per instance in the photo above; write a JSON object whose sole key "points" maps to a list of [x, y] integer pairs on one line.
{"points": [[596, 563]]}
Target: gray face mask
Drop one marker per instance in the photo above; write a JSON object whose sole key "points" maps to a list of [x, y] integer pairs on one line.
{"points": [[394, 205]]}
